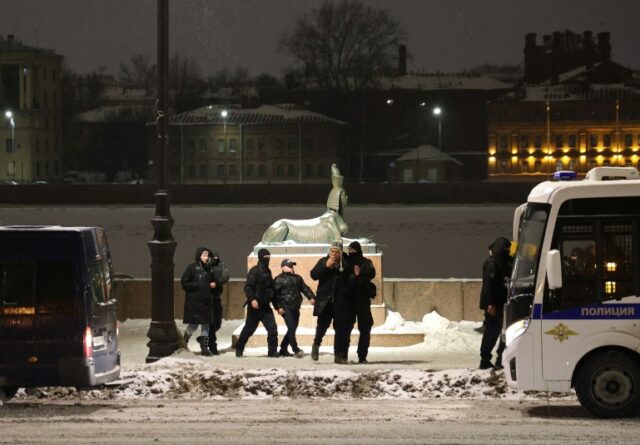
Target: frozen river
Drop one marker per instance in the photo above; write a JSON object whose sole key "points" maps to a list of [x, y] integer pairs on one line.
{"points": [[417, 241]]}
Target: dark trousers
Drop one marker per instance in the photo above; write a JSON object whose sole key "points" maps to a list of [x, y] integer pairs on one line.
{"points": [[343, 317], [216, 322], [362, 309], [491, 334], [291, 319], [322, 324], [254, 317]]}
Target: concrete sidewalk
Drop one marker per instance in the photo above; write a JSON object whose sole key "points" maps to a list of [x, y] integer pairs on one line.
{"points": [[133, 346]]}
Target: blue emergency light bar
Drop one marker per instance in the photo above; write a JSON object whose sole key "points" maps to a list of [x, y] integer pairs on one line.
{"points": [[565, 175]]}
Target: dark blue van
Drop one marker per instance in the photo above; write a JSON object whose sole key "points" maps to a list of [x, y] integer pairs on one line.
{"points": [[58, 324]]}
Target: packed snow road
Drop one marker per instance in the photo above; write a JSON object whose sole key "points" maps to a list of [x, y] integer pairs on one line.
{"points": [[308, 422]]}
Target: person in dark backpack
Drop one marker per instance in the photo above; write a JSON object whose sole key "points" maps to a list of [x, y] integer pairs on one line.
{"points": [[493, 296], [220, 277], [198, 286], [288, 287], [258, 290], [362, 291]]}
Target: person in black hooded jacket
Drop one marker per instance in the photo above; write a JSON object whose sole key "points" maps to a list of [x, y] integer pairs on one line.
{"points": [[258, 290], [198, 285], [219, 276], [287, 301], [361, 291], [493, 296]]}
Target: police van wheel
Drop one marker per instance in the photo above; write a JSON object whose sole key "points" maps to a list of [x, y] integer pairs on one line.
{"points": [[608, 385], [7, 392]]}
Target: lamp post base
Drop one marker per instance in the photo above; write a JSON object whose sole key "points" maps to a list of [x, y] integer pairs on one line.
{"points": [[164, 340]]}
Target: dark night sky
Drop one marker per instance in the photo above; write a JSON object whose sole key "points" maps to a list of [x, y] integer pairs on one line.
{"points": [[446, 35]]}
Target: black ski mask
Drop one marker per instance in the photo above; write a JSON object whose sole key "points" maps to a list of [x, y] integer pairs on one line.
{"points": [[263, 257], [356, 255]]}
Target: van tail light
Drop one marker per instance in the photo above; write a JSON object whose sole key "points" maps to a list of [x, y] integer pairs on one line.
{"points": [[87, 344]]}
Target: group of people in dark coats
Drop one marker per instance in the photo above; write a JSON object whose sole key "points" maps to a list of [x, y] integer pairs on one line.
{"points": [[343, 297]]}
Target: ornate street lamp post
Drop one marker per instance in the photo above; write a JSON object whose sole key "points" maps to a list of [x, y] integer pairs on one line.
{"points": [[164, 338]]}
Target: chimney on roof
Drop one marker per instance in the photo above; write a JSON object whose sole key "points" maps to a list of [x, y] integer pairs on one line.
{"points": [[589, 53], [604, 47], [402, 60], [529, 55]]}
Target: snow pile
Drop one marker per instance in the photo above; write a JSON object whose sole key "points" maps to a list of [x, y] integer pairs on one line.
{"points": [[393, 321], [188, 376], [442, 334], [194, 379]]}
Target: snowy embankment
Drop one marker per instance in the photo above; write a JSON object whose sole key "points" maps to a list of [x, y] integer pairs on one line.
{"points": [[186, 376]]}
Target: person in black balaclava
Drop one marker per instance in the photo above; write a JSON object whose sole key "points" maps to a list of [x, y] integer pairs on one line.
{"points": [[362, 291], [258, 289], [496, 268], [219, 276]]}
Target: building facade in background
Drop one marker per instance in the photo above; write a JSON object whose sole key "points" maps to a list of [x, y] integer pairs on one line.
{"points": [[30, 93], [281, 143], [576, 109]]}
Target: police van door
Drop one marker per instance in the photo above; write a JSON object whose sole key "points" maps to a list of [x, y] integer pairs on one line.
{"points": [[597, 272]]}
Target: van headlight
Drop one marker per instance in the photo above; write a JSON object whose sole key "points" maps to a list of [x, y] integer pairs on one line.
{"points": [[516, 330]]}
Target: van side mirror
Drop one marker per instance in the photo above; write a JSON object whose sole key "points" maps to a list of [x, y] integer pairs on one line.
{"points": [[554, 269]]}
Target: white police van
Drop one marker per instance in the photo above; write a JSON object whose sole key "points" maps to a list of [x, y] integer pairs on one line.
{"points": [[573, 314]]}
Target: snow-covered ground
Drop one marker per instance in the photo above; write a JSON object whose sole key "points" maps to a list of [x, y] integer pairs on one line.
{"points": [[442, 367]]}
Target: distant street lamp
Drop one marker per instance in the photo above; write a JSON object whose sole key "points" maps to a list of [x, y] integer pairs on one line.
{"points": [[437, 111], [9, 115]]}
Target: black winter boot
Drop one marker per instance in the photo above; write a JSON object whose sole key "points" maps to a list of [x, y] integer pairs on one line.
{"points": [[315, 352], [186, 338], [340, 359], [486, 364], [214, 349], [204, 346]]}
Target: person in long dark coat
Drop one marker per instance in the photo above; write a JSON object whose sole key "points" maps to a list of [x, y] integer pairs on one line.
{"points": [[332, 302], [219, 276], [362, 291], [198, 285], [258, 290], [495, 270]]}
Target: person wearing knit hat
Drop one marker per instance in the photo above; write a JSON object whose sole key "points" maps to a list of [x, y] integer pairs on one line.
{"points": [[332, 301], [258, 290], [362, 291]]}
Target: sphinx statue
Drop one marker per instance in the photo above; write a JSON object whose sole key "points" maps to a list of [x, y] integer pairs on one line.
{"points": [[324, 229]]}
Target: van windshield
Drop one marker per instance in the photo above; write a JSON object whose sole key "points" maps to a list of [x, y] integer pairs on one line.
{"points": [[530, 236], [28, 287]]}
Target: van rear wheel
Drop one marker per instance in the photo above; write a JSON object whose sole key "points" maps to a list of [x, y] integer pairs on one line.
{"points": [[608, 384], [7, 392]]}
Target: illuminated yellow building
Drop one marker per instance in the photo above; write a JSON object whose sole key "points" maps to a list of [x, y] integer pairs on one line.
{"points": [[576, 109], [531, 140], [31, 119]]}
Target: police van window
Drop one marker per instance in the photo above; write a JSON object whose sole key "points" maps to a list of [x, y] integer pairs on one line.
{"points": [[617, 260], [43, 287], [98, 288], [16, 285], [578, 248], [54, 288]]}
